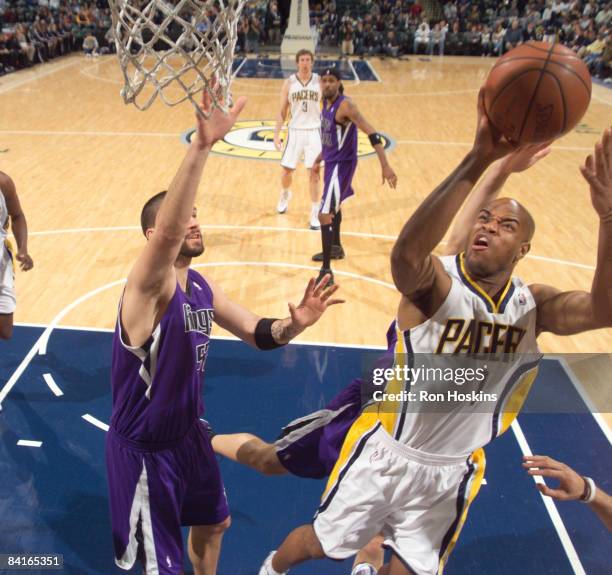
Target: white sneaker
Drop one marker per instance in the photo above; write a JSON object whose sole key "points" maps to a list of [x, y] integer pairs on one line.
{"points": [[314, 220], [283, 202], [266, 568], [363, 569]]}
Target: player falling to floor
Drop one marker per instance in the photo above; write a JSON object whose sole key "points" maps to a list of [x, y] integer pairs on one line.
{"points": [[301, 96], [162, 471], [412, 472], [10, 209], [309, 446], [340, 120]]}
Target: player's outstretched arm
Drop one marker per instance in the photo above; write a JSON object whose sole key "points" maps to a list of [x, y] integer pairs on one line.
{"points": [[282, 114], [19, 224], [413, 267], [571, 486], [567, 313], [349, 111], [268, 333], [488, 188], [152, 280]]}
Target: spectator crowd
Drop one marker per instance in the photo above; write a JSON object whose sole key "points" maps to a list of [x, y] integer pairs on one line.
{"points": [[36, 32]]}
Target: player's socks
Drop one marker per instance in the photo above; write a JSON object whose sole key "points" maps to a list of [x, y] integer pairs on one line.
{"points": [[327, 236], [283, 201], [266, 568], [336, 224], [314, 216], [364, 569], [324, 271]]}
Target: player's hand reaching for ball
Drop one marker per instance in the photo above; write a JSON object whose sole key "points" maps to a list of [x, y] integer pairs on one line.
{"points": [[524, 157], [388, 175], [489, 144], [218, 124], [25, 261], [317, 298], [597, 170]]}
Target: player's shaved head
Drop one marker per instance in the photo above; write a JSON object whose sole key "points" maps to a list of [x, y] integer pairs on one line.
{"points": [[149, 211], [513, 207]]}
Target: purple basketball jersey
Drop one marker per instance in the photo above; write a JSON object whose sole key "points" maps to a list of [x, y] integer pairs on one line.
{"points": [[339, 142], [157, 387]]}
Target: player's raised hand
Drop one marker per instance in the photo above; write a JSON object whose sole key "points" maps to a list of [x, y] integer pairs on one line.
{"points": [[388, 175], [571, 485], [524, 157], [317, 298], [489, 144], [213, 124], [597, 170], [25, 261]]}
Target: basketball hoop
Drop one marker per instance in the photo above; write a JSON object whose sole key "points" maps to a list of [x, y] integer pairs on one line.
{"points": [[176, 49]]}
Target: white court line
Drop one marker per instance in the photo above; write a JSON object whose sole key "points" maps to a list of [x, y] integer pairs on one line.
{"points": [[52, 385], [41, 342], [235, 74], [29, 443], [553, 512], [550, 506], [91, 134], [284, 229], [48, 71], [40, 346], [355, 75], [219, 337], [584, 396], [374, 72], [94, 421]]}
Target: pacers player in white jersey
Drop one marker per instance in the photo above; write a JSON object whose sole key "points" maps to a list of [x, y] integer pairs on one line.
{"points": [[412, 472], [301, 96], [10, 208]]}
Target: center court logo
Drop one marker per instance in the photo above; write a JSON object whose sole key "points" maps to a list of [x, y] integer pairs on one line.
{"points": [[254, 140]]}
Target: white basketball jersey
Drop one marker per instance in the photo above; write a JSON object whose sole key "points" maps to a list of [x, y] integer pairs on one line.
{"points": [[449, 416], [305, 102], [4, 215]]}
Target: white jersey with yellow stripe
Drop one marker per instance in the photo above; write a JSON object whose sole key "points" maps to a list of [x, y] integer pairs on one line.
{"points": [[305, 102], [443, 415], [4, 215]]}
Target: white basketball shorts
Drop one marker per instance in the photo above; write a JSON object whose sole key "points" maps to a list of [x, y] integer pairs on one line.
{"points": [[419, 501], [300, 143]]}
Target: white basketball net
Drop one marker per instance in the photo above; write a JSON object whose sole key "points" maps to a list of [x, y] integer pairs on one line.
{"points": [[176, 49]]}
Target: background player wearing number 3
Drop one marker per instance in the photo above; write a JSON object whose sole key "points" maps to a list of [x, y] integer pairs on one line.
{"points": [[301, 92], [162, 471]]}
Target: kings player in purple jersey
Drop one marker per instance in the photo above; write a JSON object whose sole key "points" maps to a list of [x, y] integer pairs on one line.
{"points": [[162, 471], [340, 119]]}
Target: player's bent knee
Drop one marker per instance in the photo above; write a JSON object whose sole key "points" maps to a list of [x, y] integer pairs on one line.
{"points": [[325, 219], [210, 531], [269, 464]]}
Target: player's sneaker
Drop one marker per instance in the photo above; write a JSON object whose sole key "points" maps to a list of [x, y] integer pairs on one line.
{"points": [[315, 224], [322, 273], [337, 253], [266, 568], [364, 569], [283, 202]]}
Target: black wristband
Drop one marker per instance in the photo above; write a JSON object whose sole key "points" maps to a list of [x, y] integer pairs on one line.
{"points": [[375, 139], [263, 334]]}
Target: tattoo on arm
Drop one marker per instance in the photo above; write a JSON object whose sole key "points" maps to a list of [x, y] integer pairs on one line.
{"points": [[283, 331]]}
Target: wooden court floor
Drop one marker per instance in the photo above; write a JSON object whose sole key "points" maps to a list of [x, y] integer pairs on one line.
{"points": [[84, 163]]}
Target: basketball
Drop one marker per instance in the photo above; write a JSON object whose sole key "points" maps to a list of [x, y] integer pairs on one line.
{"points": [[537, 92]]}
